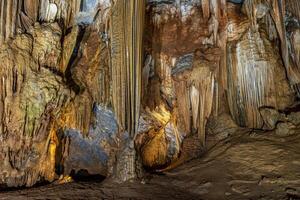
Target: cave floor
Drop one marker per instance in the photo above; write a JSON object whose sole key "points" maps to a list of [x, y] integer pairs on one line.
{"points": [[252, 166]]}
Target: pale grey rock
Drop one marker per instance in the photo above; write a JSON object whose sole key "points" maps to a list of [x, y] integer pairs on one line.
{"points": [[93, 152], [294, 118], [48, 11], [285, 129], [222, 130], [125, 167], [183, 63], [174, 141], [236, 1], [270, 117], [89, 8]]}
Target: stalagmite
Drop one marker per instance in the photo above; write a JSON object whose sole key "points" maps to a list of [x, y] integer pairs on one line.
{"points": [[116, 87], [202, 92], [205, 9]]}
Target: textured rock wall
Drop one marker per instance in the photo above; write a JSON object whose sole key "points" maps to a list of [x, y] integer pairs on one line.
{"points": [[88, 85], [32, 97]]}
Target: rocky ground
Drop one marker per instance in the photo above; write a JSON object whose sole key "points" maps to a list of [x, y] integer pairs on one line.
{"points": [[246, 166]]}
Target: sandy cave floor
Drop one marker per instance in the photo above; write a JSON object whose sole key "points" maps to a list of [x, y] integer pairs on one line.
{"points": [[252, 166]]}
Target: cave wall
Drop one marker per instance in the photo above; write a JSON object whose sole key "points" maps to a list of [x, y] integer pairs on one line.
{"points": [[107, 86]]}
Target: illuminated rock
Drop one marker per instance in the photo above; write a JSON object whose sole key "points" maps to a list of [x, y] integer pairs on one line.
{"points": [[108, 86], [32, 97]]}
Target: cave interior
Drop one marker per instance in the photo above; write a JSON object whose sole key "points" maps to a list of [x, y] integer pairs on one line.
{"points": [[150, 99]]}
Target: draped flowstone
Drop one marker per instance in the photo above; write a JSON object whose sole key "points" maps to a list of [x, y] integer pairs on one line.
{"points": [[126, 60]]}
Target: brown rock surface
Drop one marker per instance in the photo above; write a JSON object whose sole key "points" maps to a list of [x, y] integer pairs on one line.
{"points": [[32, 96], [113, 87], [243, 167]]}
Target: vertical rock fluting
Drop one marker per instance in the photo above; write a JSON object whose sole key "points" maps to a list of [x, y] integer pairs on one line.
{"points": [[278, 14], [183, 76], [251, 76], [127, 21], [293, 7], [19, 15], [9, 18], [293, 37], [32, 97], [183, 93], [65, 64], [256, 77]]}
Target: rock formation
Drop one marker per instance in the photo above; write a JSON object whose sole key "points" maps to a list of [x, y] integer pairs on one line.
{"points": [[116, 87]]}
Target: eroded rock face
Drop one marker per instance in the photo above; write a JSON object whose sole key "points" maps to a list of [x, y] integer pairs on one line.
{"points": [[256, 79], [159, 139], [88, 85], [32, 97], [95, 152]]}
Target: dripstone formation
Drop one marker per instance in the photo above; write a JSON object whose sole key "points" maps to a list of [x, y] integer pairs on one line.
{"points": [[119, 87]]}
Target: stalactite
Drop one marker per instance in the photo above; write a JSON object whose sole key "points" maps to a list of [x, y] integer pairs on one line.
{"points": [[295, 46], [221, 74], [214, 19], [254, 71], [278, 14], [206, 89], [48, 11], [127, 23], [29, 100], [164, 71], [195, 97], [31, 9], [126, 48], [184, 106], [146, 75], [202, 87], [67, 11], [9, 18], [64, 11], [205, 9], [293, 7]]}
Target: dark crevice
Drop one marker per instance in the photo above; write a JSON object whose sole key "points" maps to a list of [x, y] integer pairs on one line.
{"points": [[84, 176], [59, 168], [76, 54], [54, 71], [294, 108]]}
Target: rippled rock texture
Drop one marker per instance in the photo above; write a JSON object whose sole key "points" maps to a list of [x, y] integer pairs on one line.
{"points": [[117, 87]]}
